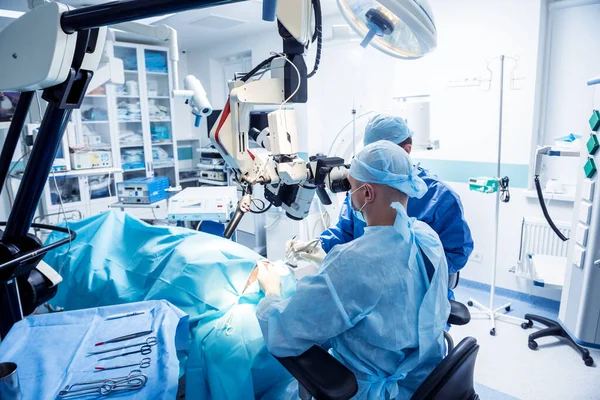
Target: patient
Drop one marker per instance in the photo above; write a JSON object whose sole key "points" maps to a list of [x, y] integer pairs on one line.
{"points": [[119, 259]]}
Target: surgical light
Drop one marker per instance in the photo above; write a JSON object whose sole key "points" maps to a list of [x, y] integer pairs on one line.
{"points": [[400, 28]]}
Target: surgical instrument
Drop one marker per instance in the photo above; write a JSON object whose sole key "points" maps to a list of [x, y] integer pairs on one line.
{"points": [[124, 315], [226, 325], [123, 338], [144, 363], [151, 341], [291, 253], [145, 350], [134, 381]]}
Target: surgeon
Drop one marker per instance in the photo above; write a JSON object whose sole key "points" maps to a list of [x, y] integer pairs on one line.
{"points": [[440, 207], [376, 301]]}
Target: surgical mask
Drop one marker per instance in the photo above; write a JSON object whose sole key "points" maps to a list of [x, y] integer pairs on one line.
{"points": [[357, 213]]}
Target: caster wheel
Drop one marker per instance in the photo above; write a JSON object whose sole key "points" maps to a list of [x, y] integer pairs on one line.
{"points": [[589, 361], [470, 303], [527, 325], [507, 308], [493, 331], [533, 345]]}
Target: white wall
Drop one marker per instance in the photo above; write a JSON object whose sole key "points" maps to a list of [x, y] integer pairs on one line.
{"points": [[471, 32]]}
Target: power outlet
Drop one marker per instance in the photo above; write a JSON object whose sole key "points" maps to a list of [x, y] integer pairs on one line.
{"points": [[476, 257]]}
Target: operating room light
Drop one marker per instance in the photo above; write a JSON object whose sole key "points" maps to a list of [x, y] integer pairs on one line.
{"points": [[400, 28]]}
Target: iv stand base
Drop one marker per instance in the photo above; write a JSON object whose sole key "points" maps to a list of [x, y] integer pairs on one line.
{"points": [[494, 314]]}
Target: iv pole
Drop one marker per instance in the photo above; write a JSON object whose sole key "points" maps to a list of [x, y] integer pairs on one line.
{"points": [[491, 312]]}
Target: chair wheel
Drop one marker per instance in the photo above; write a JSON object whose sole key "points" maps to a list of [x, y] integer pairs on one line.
{"points": [[533, 345], [507, 308], [528, 324], [470, 303], [493, 331], [589, 361]]}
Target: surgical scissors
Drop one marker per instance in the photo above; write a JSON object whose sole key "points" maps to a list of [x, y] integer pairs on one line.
{"points": [[151, 341], [144, 363], [134, 381]]}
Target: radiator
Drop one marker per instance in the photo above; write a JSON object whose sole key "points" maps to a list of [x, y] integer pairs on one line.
{"points": [[538, 238]]}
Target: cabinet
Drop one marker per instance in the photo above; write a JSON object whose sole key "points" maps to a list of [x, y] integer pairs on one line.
{"points": [[120, 132], [143, 108], [90, 194]]}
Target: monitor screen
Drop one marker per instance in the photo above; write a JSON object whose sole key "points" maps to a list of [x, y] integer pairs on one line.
{"points": [[8, 104]]}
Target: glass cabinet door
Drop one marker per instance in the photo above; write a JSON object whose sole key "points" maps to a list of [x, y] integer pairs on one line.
{"points": [[159, 110], [101, 186], [129, 116], [91, 146], [64, 189]]}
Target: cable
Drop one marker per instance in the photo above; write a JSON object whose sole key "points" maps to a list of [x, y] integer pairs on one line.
{"points": [[538, 188], [321, 213], [258, 68], [345, 126], [9, 174], [37, 99], [109, 185], [314, 227], [318, 35], [504, 192], [299, 79], [262, 73], [272, 224], [257, 200], [264, 210], [62, 210]]}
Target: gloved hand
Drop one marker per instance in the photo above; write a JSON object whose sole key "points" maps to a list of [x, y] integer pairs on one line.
{"points": [[309, 251], [268, 279], [292, 244]]}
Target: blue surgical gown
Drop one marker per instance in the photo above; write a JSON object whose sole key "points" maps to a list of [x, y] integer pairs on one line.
{"points": [[373, 303], [440, 208]]}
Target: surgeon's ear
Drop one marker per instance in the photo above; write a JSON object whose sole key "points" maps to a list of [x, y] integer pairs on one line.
{"points": [[369, 193]]}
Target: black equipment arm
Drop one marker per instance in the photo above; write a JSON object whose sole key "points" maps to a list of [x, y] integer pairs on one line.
{"points": [[14, 132]]}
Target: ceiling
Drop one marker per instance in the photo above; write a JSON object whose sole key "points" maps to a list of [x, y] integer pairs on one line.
{"points": [[196, 28]]}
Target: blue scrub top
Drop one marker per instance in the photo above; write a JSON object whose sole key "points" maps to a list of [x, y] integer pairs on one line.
{"points": [[440, 208]]}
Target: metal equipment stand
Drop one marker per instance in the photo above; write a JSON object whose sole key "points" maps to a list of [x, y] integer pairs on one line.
{"points": [[491, 312]]}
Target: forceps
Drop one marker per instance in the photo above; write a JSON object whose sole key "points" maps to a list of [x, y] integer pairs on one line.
{"points": [[134, 381], [226, 325]]}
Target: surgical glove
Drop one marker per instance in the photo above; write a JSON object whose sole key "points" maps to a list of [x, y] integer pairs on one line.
{"points": [[292, 244], [312, 253], [268, 279]]}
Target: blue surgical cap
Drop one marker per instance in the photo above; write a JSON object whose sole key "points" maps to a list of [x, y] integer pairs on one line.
{"points": [[386, 163], [387, 127]]}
